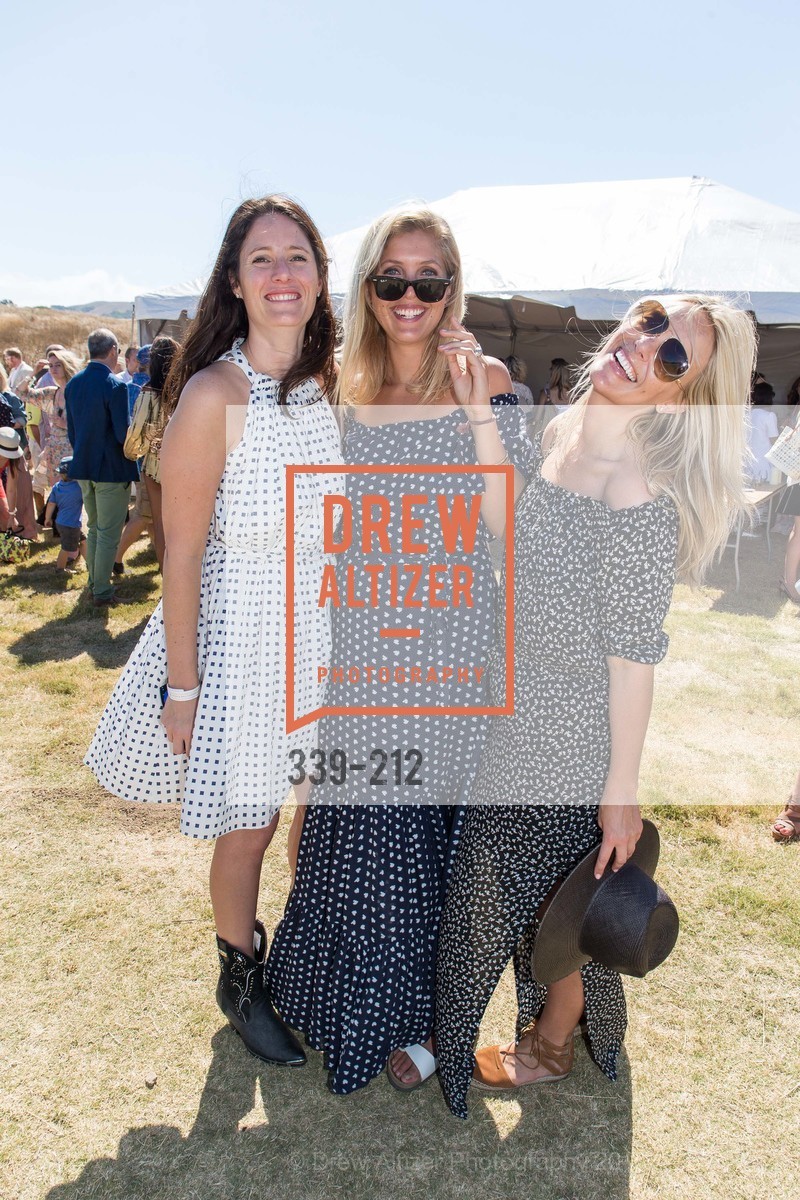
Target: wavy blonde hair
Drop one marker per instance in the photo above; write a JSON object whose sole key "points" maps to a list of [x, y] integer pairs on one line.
{"points": [[696, 455], [68, 361], [364, 355]]}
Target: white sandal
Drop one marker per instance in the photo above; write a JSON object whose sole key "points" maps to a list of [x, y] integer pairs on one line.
{"points": [[422, 1059]]}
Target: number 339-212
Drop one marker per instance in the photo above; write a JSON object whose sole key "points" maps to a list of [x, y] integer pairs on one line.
{"points": [[393, 768]]}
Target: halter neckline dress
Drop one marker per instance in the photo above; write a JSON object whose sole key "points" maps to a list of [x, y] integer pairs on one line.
{"points": [[237, 773]]}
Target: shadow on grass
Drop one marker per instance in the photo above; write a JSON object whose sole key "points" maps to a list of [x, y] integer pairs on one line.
{"points": [[37, 574], [84, 630], [80, 628], [571, 1140], [757, 594]]}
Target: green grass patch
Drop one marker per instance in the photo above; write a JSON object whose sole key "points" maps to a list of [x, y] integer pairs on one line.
{"points": [[124, 1082]]}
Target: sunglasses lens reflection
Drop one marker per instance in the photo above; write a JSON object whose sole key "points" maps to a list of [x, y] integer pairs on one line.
{"points": [[650, 318], [430, 291], [388, 287], [671, 361], [393, 288]]}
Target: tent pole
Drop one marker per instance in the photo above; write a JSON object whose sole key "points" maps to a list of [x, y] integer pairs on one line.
{"points": [[510, 313]]}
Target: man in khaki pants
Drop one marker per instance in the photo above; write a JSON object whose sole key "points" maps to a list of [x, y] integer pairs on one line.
{"points": [[97, 422]]}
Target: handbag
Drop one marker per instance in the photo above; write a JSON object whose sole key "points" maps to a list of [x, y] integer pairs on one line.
{"points": [[143, 429], [13, 549], [785, 452]]}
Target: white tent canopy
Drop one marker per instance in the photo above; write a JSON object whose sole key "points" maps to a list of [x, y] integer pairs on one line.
{"points": [[542, 263], [594, 247], [545, 265], [170, 303]]}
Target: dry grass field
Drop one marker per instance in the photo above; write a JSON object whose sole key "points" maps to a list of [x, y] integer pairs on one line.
{"points": [[121, 1081], [32, 329]]}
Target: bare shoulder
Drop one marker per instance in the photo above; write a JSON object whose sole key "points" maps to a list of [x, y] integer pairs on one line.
{"points": [[201, 425], [208, 393], [319, 380], [499, 378]]}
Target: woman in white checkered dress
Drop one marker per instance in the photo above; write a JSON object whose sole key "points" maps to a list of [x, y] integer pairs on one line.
{"points": [[219, 639]]}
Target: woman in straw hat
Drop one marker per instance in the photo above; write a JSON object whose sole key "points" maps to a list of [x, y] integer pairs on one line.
{"points": [[17, 513], [52, 402], [644, 472]]}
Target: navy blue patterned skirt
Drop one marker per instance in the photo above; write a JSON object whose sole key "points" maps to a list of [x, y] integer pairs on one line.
{"points": [[352, 962]]}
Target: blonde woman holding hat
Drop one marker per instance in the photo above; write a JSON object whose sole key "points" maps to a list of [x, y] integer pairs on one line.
{"points": [[645, 473]]}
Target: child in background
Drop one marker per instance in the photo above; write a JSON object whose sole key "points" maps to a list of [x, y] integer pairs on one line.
{"points": [[66, 497], [139, 378]]}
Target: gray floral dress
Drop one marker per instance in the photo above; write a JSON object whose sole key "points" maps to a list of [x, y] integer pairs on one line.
{"points": [[591, 582], [352, 962]]}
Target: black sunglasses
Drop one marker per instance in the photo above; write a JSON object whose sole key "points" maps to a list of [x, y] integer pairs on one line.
{"points": [[428, 289], [671, 361]]}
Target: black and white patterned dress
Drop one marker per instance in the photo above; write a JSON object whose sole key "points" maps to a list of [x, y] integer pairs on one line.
{"points": [[237, 774], [352, 961], [590, 582]]}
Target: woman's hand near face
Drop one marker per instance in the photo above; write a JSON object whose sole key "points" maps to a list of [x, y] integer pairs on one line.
{"points": [[471, 385]]}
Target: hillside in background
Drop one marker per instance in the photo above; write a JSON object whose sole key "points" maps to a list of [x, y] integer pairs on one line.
{"points": [[33, 329], [100, 308]]}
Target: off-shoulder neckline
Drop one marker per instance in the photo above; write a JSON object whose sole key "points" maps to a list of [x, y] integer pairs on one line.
{"points": [[350, 410], [659, 501]]}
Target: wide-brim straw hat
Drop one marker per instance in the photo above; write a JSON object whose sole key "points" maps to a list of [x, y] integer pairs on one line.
{"points": [[623, 920], [10, 446]]}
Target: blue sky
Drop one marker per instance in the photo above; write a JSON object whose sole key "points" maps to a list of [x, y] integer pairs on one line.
{"points": [[136, 135]]}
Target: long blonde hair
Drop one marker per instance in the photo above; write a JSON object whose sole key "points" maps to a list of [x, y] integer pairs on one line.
{"points": [[364, 357], [68, 361], [696, 455]]}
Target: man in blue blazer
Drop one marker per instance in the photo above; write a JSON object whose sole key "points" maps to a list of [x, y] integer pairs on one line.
{"points": [[97, 422]]}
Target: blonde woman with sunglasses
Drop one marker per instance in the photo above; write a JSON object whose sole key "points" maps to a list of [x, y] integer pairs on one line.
{"points": [[639, 481], [352, 962]]}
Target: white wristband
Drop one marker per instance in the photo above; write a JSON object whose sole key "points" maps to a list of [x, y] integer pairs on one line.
{"points": [[183, 693]]}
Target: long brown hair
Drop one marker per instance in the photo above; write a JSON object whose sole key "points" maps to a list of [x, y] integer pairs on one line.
{"points": [[162, 354], [221, 317], [559, 380]]}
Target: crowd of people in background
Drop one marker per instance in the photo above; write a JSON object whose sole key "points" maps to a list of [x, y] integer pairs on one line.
{"points": [[88, 473], [72, 440], [34, 421]]}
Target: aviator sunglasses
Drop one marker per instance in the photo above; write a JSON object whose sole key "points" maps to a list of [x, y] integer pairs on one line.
{"points": [[427, 289], [671, 360]]}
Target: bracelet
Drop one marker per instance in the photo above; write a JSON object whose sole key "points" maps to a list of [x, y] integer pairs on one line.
{"points": [[485, 420], [183, 693]]}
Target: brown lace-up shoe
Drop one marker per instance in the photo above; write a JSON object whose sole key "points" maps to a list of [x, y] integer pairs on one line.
{"points": [[490, 1072]]}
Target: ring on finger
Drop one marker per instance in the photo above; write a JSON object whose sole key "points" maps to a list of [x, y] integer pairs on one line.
{"points": [[477, 350]]}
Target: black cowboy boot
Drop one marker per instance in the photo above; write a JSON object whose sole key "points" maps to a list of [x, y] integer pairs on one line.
{"points": [[243, 997]]}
